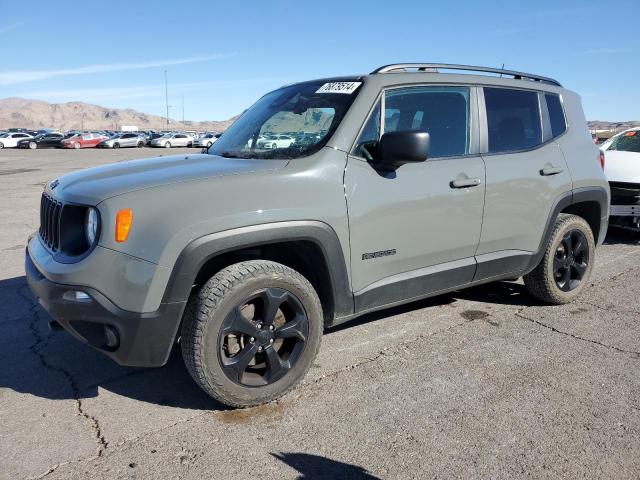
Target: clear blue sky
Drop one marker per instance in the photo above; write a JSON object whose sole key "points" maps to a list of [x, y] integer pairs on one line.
{"points": [[223, 55]]}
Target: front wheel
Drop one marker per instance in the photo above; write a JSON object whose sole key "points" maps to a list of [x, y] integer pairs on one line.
{"points": [[116, 145], [565, 269], [167, 145], [251, 333], [140, 144], [33, 145], [76, 146]]}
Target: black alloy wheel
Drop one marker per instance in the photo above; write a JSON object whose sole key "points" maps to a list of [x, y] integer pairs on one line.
{"points": [[262, 338], [571, 260]]}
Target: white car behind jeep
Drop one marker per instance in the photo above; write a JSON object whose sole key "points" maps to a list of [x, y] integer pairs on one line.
{"points": [[622, 168]]}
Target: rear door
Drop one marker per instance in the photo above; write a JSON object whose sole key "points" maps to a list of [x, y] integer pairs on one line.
{"points": [[526, 176], [416, 230]]}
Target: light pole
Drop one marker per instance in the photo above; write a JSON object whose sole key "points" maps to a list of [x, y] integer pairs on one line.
{"points": [[166, 96]]}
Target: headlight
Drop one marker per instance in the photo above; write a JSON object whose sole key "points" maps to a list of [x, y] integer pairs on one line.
{"points": [[91, 225]]}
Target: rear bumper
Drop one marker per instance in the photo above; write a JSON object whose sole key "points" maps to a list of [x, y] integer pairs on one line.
{"points": [[129, 338]]}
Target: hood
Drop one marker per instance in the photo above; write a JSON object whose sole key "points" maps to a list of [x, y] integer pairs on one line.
{"points": [[622, 166], [93, 185]]}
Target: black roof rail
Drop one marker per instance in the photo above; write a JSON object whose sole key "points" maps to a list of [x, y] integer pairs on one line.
{"points": [[433, 68]]}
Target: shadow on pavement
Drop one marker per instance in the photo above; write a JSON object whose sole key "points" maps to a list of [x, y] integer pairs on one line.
{"points": [[315, 467], [54, 365]]}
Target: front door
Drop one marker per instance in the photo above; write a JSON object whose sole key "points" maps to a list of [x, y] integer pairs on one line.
{"points": [[415, 231]]}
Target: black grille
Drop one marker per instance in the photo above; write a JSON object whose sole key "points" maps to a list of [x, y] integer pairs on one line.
{"points": [[50, 215]]}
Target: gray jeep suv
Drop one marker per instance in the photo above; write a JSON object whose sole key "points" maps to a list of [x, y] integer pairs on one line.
{"points": [[402, 184]]}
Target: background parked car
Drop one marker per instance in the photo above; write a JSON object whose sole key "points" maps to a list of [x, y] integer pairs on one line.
{"points": [[622, 168], [173, 140], [85, 140], [205, 140], [11, 139], [127, 139], [276, 141], [42, 140]]}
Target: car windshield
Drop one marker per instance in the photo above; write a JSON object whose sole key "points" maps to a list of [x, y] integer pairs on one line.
{"points": [[626, 142], [308, 113]]}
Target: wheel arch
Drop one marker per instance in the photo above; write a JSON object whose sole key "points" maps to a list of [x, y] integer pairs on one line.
{"points": [[590, 203], [310, 247]]}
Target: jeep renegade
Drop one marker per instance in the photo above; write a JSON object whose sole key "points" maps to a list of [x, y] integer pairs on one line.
{"points": [[415, 180]]}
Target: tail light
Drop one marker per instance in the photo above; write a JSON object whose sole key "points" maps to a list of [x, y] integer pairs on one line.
{"points": [[602, 160]]}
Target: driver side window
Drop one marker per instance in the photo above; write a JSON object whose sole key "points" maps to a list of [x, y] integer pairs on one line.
{"points": [[368, 141]]}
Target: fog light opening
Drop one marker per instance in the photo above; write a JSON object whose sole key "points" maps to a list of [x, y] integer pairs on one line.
{"points": [[76, 296], [112, 337]]}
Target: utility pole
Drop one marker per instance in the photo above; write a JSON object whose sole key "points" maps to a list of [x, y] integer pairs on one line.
{"points": [[166, 96]]}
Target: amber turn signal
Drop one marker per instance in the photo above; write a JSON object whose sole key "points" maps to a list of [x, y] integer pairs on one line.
{"points": [[124, 219]]}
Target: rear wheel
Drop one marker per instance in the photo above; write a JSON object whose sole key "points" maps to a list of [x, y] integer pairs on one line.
{"points": [[116, 145], [33, 145], [252, 332], [167, 145], [1, 145], [76, 145], [140, 145], [566, 266]]}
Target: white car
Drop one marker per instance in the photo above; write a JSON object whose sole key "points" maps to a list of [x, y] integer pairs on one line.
{"points": [[276, 141], [11, 139], [206, 140], [622, 168], [173, 140]]}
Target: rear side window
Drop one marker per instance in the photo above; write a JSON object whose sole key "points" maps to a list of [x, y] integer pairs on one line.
{"points": [[627, 142], [513, 119], [556, 114]]}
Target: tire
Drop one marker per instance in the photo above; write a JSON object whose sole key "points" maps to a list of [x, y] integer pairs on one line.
{"points": [[212, 316], [1, 145], [116, 145], [33, 145], [140, 145], [209, 144], [167, 145], [190, 144], [76, 146], [566, 266]]}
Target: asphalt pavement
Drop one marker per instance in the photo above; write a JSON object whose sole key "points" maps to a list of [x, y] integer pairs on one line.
{"points": [[481, 383]]}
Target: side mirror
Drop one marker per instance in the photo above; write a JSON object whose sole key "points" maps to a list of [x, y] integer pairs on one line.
{"points": [[398, 148]]}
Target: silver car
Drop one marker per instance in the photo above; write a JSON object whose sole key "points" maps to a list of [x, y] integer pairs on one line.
{"points": [[173, 140], [123, 140], [206, 140]]}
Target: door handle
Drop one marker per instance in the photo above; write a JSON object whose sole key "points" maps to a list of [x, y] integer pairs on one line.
{"points": [[465, 183], [547, 171]]}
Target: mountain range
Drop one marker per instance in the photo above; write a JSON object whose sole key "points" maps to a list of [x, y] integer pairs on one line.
{"points": [[36, 114]]}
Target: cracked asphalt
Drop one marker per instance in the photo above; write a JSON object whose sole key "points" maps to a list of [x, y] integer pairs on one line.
{"points": [[481, 383]]}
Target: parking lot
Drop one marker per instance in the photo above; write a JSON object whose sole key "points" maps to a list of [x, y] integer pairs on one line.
{"points": [[478, 383]]}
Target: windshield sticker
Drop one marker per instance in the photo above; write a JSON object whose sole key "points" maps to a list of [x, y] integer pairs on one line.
{"points": [[339, 87]]}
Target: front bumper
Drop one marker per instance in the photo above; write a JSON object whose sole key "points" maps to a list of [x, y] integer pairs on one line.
{"points": [[141, 339]]}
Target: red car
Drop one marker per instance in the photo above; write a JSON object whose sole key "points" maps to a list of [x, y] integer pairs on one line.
{"points": [[84, 140]]}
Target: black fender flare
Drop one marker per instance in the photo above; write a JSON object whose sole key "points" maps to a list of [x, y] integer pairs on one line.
{"points": [[578, 195], [194, 256]]}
